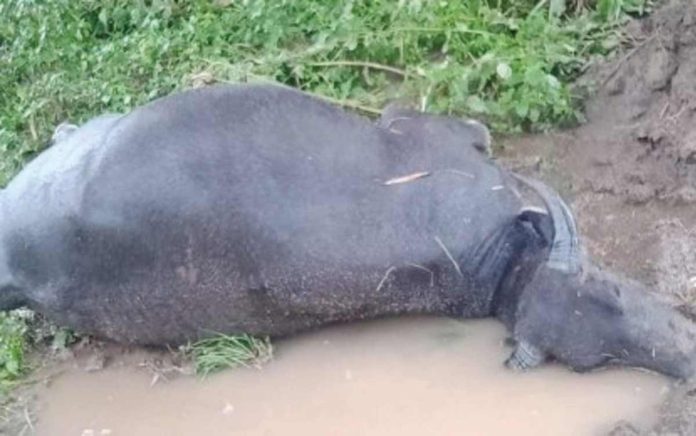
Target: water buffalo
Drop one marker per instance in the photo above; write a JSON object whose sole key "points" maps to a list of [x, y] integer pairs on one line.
{"points": [[263, 210]]}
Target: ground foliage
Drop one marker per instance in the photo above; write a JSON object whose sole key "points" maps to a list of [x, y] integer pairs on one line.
{"points": [[13, 331], [221, 351], [510, 62]]}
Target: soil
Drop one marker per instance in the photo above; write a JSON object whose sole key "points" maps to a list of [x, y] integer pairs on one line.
{"points": [[630, 170]]}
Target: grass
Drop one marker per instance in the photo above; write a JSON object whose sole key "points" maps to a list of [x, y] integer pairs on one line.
{"points": [[13, 337], [509, 62], [222, 351], [21, 331]]}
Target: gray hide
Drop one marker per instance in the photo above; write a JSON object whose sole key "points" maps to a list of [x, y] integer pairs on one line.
{"points": [[262, 210]]}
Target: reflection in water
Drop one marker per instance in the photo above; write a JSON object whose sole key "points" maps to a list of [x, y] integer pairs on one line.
{"points": [[397, 377]]}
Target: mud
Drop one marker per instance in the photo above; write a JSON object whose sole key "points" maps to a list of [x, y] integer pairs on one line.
{"points": [[407, 376], [640, 141], [630, 170]]}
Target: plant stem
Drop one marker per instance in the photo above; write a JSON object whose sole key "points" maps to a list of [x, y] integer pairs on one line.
{"points": [[372, 65]]}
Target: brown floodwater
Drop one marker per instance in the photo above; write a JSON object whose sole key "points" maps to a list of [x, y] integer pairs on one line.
{"points": [[396, 377]]}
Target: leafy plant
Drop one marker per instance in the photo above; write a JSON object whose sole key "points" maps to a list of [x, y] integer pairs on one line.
{"points": [[13, 329], [505, 61], [614, 10]]}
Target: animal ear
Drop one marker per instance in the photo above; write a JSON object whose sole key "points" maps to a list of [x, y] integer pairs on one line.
{"points": [[396, 110], [62, 131], [540, 221], [482, 136]]}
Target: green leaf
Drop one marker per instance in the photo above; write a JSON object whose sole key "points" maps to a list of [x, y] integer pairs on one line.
{"points": [[103, 17], [556, 8], [553, 81], [522, 108], [476, 104], [504, 71]]}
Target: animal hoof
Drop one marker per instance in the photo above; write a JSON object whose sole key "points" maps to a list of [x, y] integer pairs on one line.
{"points": [[515, 364], [524, 357]]}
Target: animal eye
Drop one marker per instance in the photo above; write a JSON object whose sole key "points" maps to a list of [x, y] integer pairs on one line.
{"points": [[617, 291], [608, 300]]}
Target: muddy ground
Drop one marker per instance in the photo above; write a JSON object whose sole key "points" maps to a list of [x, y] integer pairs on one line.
{"points": [[629, 173], [630, 170]]}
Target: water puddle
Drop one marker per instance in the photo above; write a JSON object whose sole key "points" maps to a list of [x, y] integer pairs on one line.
{"points": [[397, 377]]}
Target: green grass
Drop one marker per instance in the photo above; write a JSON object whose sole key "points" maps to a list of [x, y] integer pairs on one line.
{"points": [[222, 351], [21, 331], [13, 344], [508, 62]]}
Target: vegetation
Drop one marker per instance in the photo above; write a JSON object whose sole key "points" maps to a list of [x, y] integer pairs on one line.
{"points": [[13, 330], [222, 351], [21, 330], [507, 61], [510, 62]]}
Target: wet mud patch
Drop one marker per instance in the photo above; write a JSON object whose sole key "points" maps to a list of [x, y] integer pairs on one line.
{"points": [[630, 170], [409, 376]]}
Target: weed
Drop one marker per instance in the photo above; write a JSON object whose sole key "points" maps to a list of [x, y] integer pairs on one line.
{"points": [[222, 351], [13, 343], [505, 61], [20, 332]]}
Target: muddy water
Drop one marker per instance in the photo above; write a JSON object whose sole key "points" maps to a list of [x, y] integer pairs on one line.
{"points": [[398, 377]]}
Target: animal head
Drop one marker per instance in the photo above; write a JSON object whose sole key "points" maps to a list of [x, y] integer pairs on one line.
{"points": [[582, 316], [399, 118]]}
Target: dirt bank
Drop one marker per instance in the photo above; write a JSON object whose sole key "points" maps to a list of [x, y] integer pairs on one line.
{"points": [[630, 170]]}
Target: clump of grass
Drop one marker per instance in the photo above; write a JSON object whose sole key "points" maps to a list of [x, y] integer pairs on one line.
{"points": [[13, 346], [22, 331], [221, 351]]}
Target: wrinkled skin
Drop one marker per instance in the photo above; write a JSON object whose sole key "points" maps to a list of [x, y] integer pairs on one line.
{"points": [[259, 209]]}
